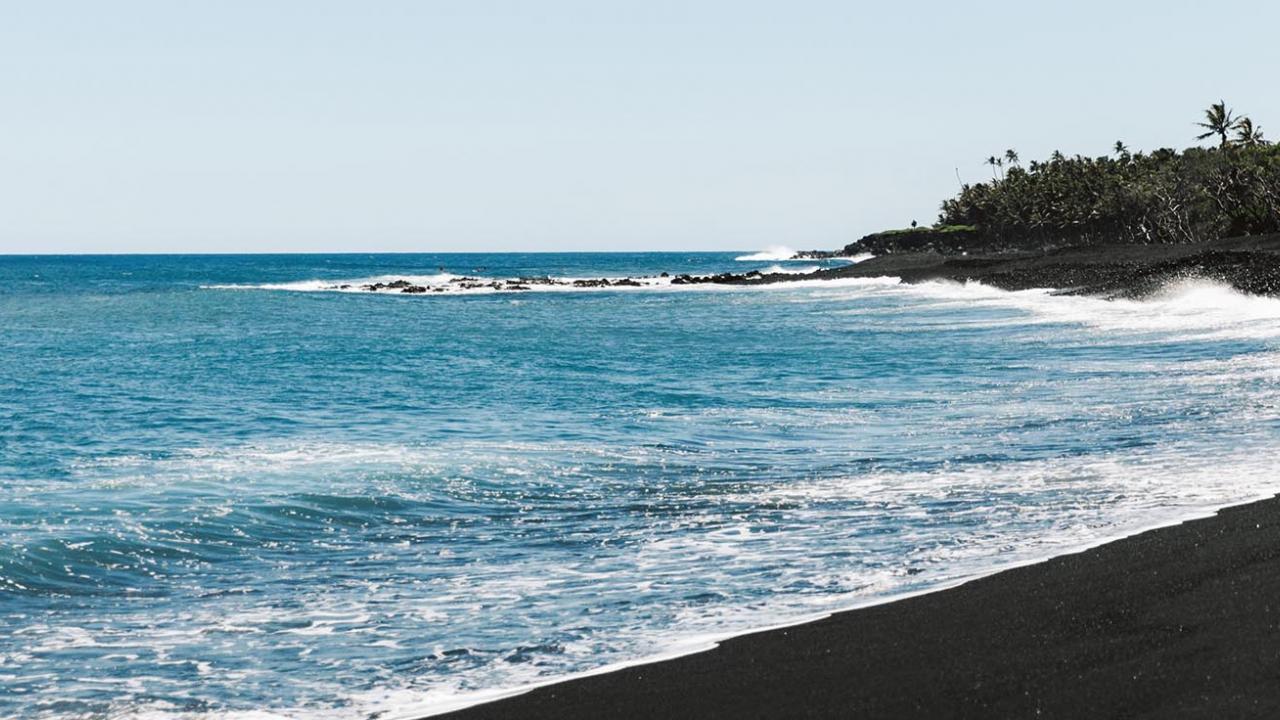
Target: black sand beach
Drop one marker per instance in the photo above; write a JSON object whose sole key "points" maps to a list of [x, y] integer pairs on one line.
{"points": [[1182, 621]]}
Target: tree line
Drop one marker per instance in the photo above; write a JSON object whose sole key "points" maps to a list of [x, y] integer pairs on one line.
{"points": [[1164, 196]]}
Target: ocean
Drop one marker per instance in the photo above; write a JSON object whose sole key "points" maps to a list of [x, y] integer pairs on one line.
{"points": [[232, 488]]}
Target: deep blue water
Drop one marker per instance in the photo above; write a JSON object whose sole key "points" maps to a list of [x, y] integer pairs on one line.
{"points": [[222, 490]]}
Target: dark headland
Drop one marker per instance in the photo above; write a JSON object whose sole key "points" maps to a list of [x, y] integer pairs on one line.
{"points": [[1118, 225], [1250, 264], [1182, 621]]}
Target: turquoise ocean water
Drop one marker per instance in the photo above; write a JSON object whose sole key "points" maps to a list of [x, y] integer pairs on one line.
{"points": [[226, 492]]}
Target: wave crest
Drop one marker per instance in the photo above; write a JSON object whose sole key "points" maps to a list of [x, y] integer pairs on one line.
{"points": [[771, 253]]}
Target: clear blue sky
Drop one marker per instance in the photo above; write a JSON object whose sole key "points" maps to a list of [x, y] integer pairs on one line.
{"points": [[574, 124]]}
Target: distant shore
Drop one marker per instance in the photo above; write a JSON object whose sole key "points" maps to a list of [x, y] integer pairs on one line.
{"points": [[1249, 264], [1182, 621]]}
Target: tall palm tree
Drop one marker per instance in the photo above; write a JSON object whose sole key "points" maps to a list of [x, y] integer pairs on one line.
{"points": [[993, 162], [1218, 121], [1012, 156], [1248, 134], [1120, 148]]}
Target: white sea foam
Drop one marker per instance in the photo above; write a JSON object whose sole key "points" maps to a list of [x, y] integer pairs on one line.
{"points": [[779, 269], [772, 253], [352, 285], [445, 284], [1101, 498], [1186, 498], [781, 253], [1189, 309]]}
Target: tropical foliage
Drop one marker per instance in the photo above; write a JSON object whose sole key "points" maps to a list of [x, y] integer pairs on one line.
{"points": [[1158, 197]]}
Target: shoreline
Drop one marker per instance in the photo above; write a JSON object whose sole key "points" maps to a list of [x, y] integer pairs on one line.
{"points": [[1249, 264], [869, 660]]}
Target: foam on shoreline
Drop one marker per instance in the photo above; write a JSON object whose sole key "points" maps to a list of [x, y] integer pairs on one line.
{"points": [[402, 705]]}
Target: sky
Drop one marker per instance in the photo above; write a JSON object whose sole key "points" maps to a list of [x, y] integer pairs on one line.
{"points": [[574, 125]]}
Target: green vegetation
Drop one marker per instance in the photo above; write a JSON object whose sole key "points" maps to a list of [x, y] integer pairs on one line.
{"points": [[1163, 196], [942, 239], [930, 231]]}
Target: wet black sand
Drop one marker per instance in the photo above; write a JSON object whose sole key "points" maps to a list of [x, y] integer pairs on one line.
{"points": [[1182, 621]]}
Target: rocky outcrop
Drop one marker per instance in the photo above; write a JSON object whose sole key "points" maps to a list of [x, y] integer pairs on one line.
{"points": [[1249, 264], [950, 239]]}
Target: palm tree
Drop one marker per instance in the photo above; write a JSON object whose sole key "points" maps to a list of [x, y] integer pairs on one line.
{"points": [[993, 162], [1120, 148], [1218, 121], [1011, 156], [1248, 134]]}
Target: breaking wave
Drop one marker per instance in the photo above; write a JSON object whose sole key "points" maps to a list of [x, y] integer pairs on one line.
{"points": [[447, 283], [1185, 309], [772, 253]]}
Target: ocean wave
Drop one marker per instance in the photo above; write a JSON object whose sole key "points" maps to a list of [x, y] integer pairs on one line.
{"points": [[1187, 309], [449, 284], [1082, 503], [1172, 491], [781, 253], [780, 270], [772, 253]]}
